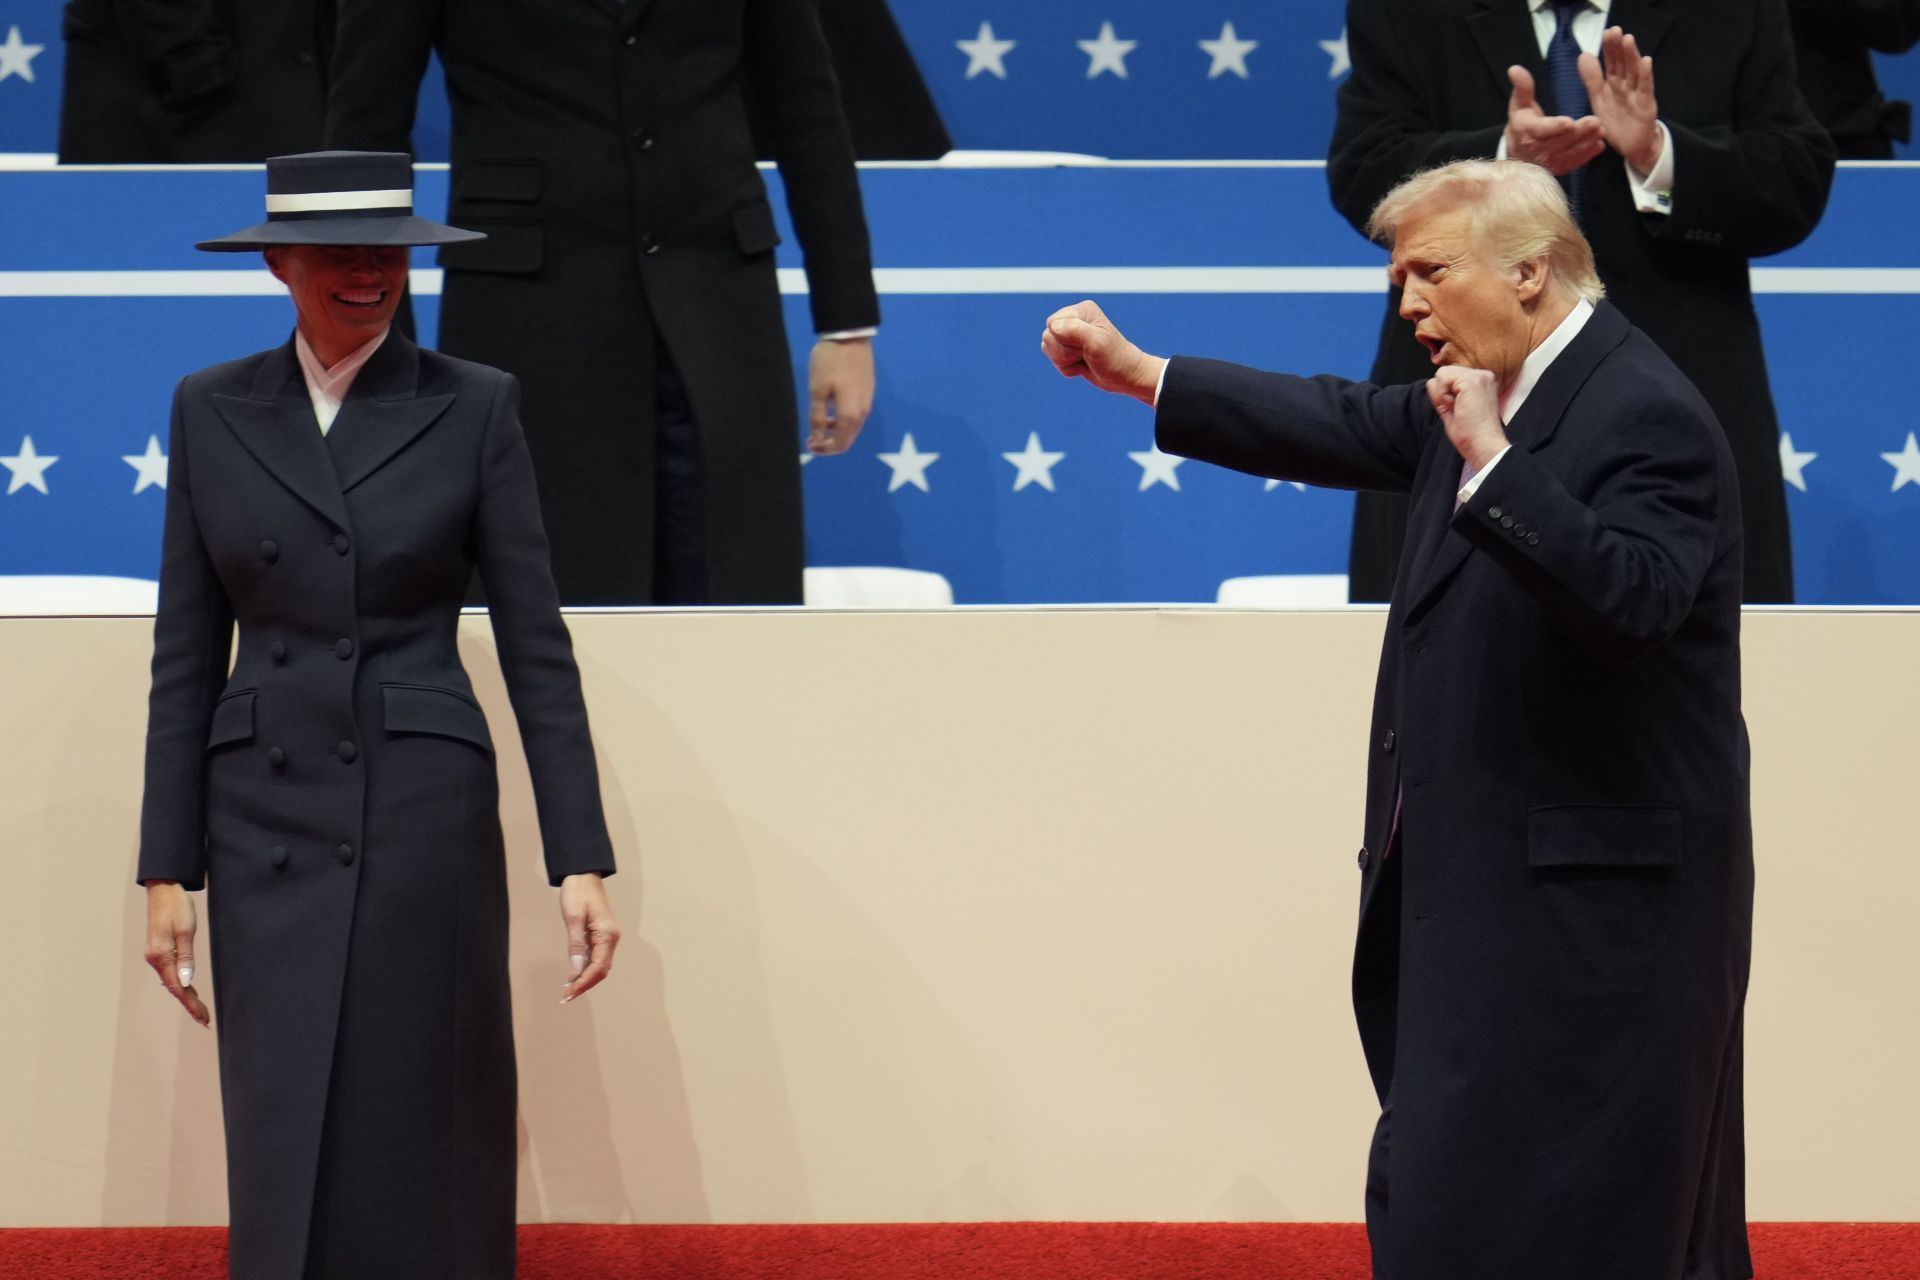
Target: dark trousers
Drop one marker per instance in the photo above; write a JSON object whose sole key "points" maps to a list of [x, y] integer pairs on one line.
{"points": [[679, 502]]}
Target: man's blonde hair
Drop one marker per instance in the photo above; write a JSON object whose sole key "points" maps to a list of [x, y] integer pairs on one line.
{"points": [[1518, 212]]}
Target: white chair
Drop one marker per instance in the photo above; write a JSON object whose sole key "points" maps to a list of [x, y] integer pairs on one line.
{"points": [[1284, 591], [876, 588], [48, 595]]}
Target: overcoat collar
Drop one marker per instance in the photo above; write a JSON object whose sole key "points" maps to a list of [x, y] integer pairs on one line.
{"points": [[1441, 548], [624, 12], [382, 414]]}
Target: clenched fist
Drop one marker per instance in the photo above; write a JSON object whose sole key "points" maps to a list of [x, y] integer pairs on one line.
{"points": [[1468, 401], [1082, 343]]}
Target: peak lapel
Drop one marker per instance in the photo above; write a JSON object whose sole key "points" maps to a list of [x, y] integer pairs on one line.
{"points": [[275, 423], [1504, 31], [383, 412]]}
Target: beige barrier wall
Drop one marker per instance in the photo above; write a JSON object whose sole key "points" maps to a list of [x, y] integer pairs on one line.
{"points": [[973, 915]]}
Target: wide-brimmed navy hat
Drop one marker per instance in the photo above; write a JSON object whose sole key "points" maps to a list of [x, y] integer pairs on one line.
{"points": [[340, 197]]}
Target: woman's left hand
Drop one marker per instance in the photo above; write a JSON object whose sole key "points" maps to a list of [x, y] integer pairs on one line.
{"points": [[591, 932]]}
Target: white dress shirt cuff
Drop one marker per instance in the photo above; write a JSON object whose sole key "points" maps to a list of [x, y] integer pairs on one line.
{"points": [[1654, 192], [1160, 383], [1472, 486], [848, 335]]}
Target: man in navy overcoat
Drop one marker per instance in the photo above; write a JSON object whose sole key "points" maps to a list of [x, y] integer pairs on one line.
{"points": [[1556, 870]]}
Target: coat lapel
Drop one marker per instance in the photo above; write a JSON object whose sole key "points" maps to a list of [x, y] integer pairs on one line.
{"points": [[1445, 549], [1504, 31], [274, 422], [383, 412], [1645, 20]]}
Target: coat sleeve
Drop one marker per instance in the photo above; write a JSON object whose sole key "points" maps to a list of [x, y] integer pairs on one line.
{"points": [[380, 53], [1385, 128], [182, 41], [536, 651], [790, 74], [1619, 571], [1324, 431], [1888, 26], [192, 649], [1759, 184]]}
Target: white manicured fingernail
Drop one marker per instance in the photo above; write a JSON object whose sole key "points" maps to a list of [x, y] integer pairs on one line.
{"points": [[186, 975], [579, 965]]}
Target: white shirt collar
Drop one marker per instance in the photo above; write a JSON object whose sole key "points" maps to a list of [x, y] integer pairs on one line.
{"points": [[327, 388], [1542, 356]]}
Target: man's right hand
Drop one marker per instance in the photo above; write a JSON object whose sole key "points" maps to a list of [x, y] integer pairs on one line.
{"points": [[171, 925], [1082, 343], [1558, 144]]}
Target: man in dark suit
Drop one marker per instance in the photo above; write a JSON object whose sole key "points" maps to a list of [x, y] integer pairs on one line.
{"points": [[1556, 875], [1836, 41], [628, 276], [1676, 188], [193, 81]]}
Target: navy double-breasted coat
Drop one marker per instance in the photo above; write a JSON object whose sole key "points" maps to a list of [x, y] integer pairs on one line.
{"points": [[335, 791], [1553, 950]]}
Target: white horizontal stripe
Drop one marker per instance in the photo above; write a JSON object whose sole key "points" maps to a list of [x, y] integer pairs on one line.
{"points": [[947, 281], [331, 201]]}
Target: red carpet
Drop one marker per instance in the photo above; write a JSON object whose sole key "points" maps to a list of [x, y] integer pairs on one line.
{"points": [[938, 1251]]}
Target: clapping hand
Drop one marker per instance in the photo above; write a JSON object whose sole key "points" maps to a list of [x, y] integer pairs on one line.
{"points": [[1620, 84], [1558, 144]]}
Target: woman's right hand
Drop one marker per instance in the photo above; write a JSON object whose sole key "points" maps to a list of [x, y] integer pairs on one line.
{"points": [[171, 925]]}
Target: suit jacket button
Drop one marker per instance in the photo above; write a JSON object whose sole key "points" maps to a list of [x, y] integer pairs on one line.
{"points": [[345, 854], [1364, 858], [278, 856], [343, 649], [341, 543], [270, 551], [1386, 743], [347, 752], [278, 652], [276, 758]]}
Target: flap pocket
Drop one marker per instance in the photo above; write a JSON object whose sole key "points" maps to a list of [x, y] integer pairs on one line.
{"points": [[232, 719], [517, 181], [1604, 835], [425, 708], [509, 249], [753, 227]]}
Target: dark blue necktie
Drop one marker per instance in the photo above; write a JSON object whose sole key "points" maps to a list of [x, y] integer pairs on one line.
{"points": [[1569, 91]]}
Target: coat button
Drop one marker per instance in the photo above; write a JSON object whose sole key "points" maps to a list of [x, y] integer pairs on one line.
{"points": [[278, 856], [341, 543], [277, 758], [641, 139], [648, 244], [1386, 743], [347, 752], [343, 649], [1364, 858], [345, 854], [631, 40], [278, 652], [270, 551]]}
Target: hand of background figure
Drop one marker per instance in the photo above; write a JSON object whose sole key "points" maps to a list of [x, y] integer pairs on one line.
{"points": [[171, 925], [1468, 401], [1620, 84], [1082, 343], [1558, 144], [592, 934], [840, 388]]}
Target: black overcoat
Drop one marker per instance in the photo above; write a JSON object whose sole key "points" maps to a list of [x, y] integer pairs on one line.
{"points": [[1551, 963], [605, 150], [193, 81], [336, 794], [1751, 173]]}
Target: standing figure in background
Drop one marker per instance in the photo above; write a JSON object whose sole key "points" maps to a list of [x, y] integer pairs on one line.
{"points": [[1836, 40], [1677, 188], [628, 274], [193, 81]]}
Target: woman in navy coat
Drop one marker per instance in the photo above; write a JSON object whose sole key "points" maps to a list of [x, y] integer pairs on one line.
{"points": [[335, 790]]}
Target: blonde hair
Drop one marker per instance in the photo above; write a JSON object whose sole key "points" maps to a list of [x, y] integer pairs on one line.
{"points": [[1518, 211]]}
